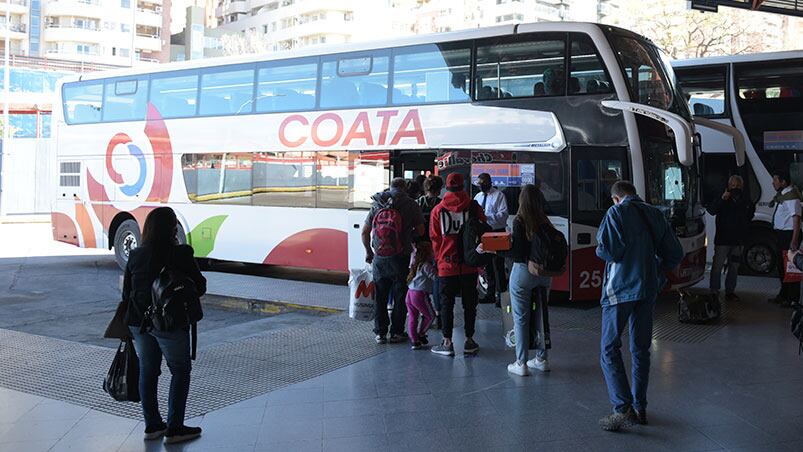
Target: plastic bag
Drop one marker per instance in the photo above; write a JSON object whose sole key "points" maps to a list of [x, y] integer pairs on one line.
{"points": [[362, 295], [122, 381], [792, 273]]}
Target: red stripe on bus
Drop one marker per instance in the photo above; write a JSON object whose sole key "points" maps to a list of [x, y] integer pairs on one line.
{"points": [[325, 249]]}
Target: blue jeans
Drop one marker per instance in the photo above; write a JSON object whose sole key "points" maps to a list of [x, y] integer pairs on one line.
{"points": [[175, 346], [390, 281], [638, 316], [522, 284]]}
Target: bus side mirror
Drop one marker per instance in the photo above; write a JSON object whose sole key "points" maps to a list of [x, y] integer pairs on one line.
{"points": [[680, 127]]}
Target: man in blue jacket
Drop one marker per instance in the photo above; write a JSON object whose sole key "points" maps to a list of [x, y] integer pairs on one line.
{"points": [[638, 245]]}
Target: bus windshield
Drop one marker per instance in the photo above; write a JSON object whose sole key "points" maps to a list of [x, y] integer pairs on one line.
{"points": [[647, 81]]}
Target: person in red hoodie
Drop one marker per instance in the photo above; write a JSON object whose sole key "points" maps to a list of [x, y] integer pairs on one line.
{"points": [[454, 276]]}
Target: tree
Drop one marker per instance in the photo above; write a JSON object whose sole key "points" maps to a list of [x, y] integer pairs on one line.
{"points": [[244, 43], [685, 33]]}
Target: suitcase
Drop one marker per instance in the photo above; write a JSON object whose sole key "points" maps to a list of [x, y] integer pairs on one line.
{"points": [[698, 308], [541, 324]]}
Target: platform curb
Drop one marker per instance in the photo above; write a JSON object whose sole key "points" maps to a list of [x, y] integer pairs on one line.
{"points": [[260, 307]]}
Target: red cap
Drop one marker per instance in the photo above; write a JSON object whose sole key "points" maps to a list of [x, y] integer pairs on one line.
{"points": [[455, 182]]}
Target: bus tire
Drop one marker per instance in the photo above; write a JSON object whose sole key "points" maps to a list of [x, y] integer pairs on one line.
{"points": [[760, 256], [126, 238]]}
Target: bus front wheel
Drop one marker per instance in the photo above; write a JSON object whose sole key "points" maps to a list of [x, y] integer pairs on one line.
{"points": [[126, 239], [760, 254]]}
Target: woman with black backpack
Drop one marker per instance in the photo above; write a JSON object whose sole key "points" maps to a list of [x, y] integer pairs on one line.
{"points": [[160, 248], [526, 226]]}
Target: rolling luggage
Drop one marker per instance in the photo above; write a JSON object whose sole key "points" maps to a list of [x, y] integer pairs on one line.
{"points": [[539, 317]]}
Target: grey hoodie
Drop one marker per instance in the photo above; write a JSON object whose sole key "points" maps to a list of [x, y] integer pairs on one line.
{"points": [[424, 278]]}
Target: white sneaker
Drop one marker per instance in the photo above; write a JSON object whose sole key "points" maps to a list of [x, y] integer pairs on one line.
{"points": [[538, 364], [518, 368]]}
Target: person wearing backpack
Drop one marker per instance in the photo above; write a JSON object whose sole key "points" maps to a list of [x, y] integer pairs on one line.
{"points": [[392, 223], [448, 228], [159, 248], [638, 245], [530, 245], [433, 185]]}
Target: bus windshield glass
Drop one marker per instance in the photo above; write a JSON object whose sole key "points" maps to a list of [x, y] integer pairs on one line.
{"points": [[647, 78]]}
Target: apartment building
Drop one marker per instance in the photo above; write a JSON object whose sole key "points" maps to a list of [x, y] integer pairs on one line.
{"points": [[115, 32], [290, 24]]}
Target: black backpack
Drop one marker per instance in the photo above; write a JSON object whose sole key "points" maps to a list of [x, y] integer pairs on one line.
{"points": [[698, 309], [470, 237], [175, 304], [427, 204], [549, 252]]}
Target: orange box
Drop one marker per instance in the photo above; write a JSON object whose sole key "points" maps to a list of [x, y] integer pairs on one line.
{"points": [[496, 241]]}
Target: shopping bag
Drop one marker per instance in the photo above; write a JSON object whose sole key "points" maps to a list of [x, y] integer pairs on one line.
{"points": [[791, 274], [122, 381], [362, 294], [117, 328]]}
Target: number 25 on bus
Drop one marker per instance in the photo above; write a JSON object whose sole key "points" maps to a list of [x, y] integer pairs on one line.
{"points": [[273, 159]]}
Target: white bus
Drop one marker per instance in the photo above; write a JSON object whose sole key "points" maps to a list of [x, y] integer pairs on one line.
{"points": [[273, 159], [762, 96]]}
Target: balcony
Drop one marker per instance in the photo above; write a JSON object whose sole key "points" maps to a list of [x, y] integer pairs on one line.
{"points": [[77, 8], [238, 7], [18, 31], [147, 42], [149, 17], [71, 32], [17, 6], [147, 2]]}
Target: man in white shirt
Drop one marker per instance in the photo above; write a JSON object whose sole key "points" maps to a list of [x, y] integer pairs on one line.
{"points": [[786, 222], [494, 204]]}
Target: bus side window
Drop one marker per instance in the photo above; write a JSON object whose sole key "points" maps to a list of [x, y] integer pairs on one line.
{"points": [[175, 96], [287, 86], [125, 100], [524, 67], [704, 90], [354, 81], [83, 102], [227, 92], [586, 72], [431, 73]]}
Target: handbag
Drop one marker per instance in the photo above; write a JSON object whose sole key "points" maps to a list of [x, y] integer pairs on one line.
{"points": [[122, 380], [117, 328]]}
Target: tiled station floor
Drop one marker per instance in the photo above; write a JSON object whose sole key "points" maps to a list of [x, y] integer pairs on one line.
{"points": [[738, 387]]}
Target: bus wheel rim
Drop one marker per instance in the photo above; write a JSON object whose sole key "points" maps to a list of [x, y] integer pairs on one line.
{"points": [[129, 243]]}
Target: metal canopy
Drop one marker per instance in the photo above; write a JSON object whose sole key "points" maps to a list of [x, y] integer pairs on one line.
{"points": [[787, 7]]}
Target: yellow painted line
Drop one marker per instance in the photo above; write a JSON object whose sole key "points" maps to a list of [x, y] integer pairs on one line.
{"points": [[240, 194]]}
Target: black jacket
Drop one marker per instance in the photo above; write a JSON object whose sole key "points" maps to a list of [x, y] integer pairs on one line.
{"points": [[144, 265], [733, 219], [521, 248]]}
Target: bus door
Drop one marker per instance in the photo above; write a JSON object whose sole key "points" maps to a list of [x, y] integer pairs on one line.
{"points": [[593, 172], [509, 170], [409, 164]]}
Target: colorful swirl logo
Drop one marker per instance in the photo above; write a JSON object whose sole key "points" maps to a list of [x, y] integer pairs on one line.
{"points": [[135, 151], [159, 139]]}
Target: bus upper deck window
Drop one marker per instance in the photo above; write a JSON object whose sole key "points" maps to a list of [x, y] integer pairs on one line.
{"points": [[587, 72], [354, 81], [83, 102]]}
